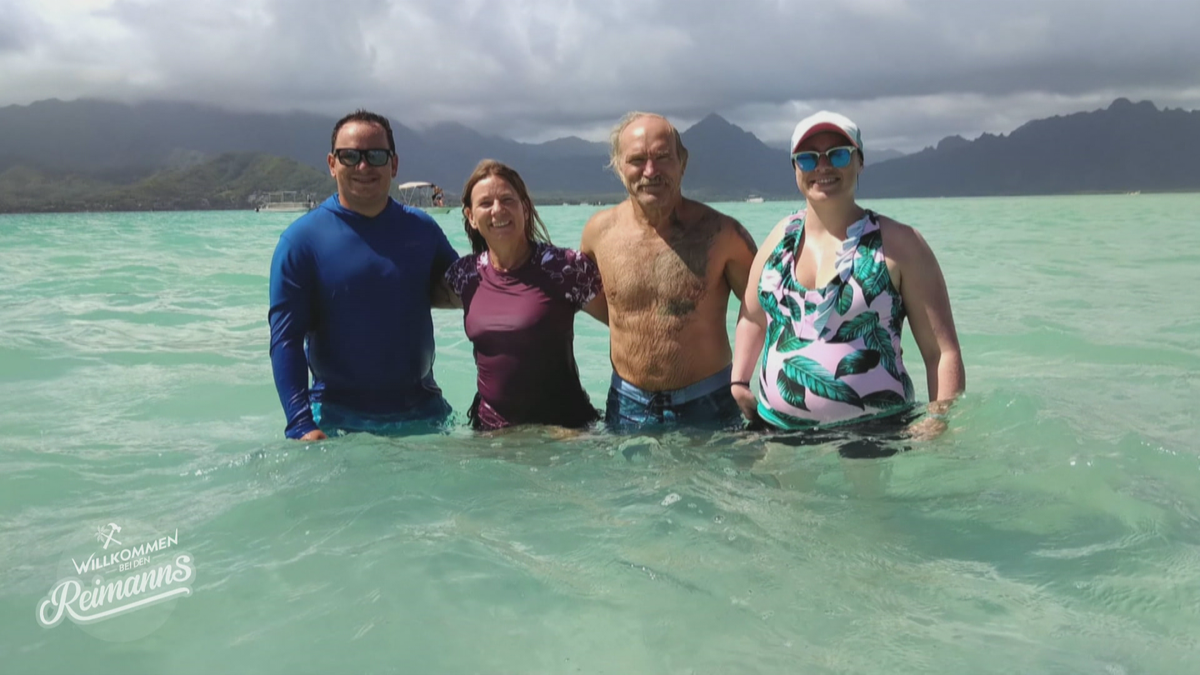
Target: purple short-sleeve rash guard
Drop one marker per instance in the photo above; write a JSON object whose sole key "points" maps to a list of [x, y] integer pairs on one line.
{"points": [[522, 325]]}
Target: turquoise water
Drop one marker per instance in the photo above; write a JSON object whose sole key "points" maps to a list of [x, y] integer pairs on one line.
{"points": [[1054, 529]]}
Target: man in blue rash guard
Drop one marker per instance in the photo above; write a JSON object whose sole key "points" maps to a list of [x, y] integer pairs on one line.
{"points": [[352, 284]]}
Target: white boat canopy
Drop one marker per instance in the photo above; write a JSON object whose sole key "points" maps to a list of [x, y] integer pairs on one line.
{"points": [[412, 185]]}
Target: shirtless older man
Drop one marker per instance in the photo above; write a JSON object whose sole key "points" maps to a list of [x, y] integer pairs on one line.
{"points": [[669, 265]]}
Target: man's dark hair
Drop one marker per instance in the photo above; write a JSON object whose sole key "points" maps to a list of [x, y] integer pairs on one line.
{"points": [[361, 115]]}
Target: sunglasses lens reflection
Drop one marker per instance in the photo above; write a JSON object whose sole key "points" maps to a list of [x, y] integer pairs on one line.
{"points": [[375, 157], [839, 158], [807, 160]]}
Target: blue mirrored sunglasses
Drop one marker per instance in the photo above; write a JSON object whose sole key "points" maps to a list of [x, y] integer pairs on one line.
{"points": [[839, 157]]}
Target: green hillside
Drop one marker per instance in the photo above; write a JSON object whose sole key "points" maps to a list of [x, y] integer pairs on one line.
{"points": [[226, 181]]}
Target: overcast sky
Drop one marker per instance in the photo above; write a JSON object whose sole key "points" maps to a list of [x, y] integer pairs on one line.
{"points": [[908, 71]]}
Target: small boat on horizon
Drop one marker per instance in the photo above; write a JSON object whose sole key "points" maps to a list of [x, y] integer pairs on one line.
{"points": [[754, 199], [423, 195], [286, 201]]}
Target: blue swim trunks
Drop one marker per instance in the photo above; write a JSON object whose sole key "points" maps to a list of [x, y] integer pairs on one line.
{"points": [[706, 403], [337, 420]]}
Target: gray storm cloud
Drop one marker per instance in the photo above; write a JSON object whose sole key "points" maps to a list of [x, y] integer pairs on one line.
{"points": [[538, 68], [20, 27]]}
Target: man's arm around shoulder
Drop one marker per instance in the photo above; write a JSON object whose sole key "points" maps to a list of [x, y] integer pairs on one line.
{"points": [[594, 230], [739, 250], [441, 296]]}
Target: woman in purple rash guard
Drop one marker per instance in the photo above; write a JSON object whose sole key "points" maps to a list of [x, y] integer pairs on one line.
{"points": [[520, 295]]}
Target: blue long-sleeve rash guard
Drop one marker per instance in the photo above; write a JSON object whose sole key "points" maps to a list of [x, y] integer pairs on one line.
{"points": [[357, 289]]}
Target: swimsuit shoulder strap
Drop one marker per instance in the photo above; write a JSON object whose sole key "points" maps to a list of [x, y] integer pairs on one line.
{"points": [[795, 221], [793, 234]]}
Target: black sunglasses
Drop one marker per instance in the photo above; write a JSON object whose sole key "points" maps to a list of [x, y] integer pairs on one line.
{"points": [[352, 156]]}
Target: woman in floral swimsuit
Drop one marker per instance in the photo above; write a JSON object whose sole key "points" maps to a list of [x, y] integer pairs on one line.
{"points": [[520, 295], [827, 299]]}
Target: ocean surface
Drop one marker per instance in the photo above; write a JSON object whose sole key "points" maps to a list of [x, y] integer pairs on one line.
{"points": [[1055, 528]]}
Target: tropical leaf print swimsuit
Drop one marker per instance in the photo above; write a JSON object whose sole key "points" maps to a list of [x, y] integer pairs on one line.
{"points": [[832, 355]]}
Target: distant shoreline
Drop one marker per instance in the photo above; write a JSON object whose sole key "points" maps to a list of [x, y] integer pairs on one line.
{"points": [[607, 201]]}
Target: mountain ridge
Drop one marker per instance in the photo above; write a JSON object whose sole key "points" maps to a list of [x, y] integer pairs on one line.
{"points": [[1125, 147], [105, 145]]}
